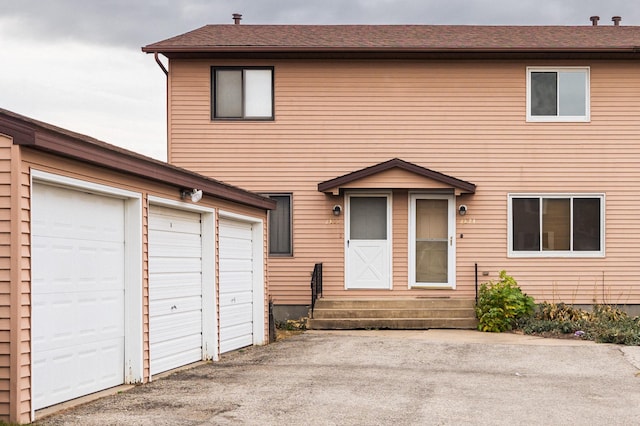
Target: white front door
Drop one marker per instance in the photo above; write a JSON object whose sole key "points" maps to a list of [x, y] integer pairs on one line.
{"points": [[431, 241], [368, 241]]}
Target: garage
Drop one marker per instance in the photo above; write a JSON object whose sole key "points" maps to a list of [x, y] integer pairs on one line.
{"points": [[175, 288], [236, 284], [78, 293]]}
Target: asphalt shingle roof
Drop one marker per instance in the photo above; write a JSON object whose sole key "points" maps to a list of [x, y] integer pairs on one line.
{"points": [[422, 38]]}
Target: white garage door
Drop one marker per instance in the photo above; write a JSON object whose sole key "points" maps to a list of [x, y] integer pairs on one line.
{"points": [[175, 288], [236, 285], [77, 293]]}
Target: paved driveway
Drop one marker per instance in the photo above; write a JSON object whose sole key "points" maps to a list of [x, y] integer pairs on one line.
{"points": [[432, 377]]}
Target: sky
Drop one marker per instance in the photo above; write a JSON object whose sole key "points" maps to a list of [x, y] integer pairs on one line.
{"points": [[77, 64]]}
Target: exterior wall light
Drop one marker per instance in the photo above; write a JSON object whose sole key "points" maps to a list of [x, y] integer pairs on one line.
{"points": [[194, 194], [337, 210], [462, 210]]}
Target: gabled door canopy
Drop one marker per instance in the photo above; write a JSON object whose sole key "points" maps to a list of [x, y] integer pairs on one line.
{"points": [[439, 180]]}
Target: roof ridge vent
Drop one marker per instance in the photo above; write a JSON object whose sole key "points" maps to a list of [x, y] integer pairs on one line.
{"points": [[237, 17], [616, 20]]}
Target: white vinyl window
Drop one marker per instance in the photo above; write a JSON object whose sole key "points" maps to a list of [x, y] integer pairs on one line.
{"points": [[242, 93], [566, 225], [558, 94]]}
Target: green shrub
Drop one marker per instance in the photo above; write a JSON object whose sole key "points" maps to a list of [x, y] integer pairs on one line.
{"points": [[605, 324], [501, 304]]}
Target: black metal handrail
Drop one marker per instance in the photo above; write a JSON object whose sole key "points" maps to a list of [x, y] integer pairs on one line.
{"points": [[316, 285]]}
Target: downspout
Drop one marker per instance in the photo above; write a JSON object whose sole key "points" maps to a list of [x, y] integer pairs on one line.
{"points": [[162, 67], [166, 100]]}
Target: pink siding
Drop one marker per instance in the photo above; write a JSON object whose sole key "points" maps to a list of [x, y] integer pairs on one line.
{"points": [[465, 119]]}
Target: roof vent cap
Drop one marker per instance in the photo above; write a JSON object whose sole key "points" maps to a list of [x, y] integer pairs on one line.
{"points": [[594, 20], [616, 20], [237, 17]]}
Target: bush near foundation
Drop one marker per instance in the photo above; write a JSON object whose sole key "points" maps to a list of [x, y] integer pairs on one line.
{"points": [[501, 304], [605, 324]]}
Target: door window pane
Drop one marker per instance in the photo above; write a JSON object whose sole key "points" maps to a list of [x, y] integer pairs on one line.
{"points": [[368, 218], [432, 231]]}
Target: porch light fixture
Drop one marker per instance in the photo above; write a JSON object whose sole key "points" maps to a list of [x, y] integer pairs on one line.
{"points": [[194, 194], [337, 210], [462, 210]]}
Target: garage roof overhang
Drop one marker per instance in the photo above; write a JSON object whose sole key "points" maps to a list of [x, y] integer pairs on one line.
{"points": [[396, 174], [44, 137]]}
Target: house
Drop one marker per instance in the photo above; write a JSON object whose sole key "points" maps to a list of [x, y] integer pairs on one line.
{"points": [[116, 267], [414, 161]]}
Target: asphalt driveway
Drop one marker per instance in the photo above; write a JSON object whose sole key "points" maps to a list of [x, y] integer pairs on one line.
{"points": [[432, 377]]}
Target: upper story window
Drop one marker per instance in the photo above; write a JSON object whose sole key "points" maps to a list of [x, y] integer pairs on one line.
{"points": [[556, 225], [558, 94], [242, 93]]}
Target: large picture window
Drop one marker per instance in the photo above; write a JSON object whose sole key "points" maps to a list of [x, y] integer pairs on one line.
{"points": [[242, 93], [558, 94], [280, 242], [556, 225]]}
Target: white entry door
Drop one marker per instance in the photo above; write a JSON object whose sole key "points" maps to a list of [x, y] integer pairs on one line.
{"points": [[432, 242], [236, 284], [368, 242], [175, 288], [77, 294]]}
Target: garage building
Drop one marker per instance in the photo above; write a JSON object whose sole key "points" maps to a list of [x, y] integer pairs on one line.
{"points": [[115, 267]]}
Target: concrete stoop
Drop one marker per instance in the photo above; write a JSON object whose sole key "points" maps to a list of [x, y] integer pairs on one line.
{"points": [[401, 314]]}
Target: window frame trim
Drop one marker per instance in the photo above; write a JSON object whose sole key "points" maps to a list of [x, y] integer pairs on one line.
{"points": [[511, 253], [212, 82], [559, 118], [291, 251]]}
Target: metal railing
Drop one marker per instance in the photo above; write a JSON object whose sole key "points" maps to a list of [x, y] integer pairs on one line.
{"points": [[316, 285]]}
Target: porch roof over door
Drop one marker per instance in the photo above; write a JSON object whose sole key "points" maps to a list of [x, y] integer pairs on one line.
{"points": [[396, 174]]}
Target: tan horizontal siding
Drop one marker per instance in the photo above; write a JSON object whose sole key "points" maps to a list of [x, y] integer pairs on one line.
{"points": [[463, 119]]}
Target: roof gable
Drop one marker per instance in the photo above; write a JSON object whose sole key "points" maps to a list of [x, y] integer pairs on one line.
{"points": [[385, 170]]}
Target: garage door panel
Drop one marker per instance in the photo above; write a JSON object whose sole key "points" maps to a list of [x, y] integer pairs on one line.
{"points": [[171, 244], [183, 291], [66, 267], [232, 298], [171, 327], [235, 337], [175, 306], [235, 247], [182, 266], [237, 314], [236, 281], [66, 214]]}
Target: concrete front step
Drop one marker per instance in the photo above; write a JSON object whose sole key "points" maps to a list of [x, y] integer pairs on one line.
{"points": [[393, 313], [388, 323], [322, 313], [404, 303]]}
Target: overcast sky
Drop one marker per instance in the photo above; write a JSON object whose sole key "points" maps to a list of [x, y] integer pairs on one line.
{"points": [[77, 64]]}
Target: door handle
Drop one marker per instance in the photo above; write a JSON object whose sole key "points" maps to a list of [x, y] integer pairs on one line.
{"points": [[451, 241]]}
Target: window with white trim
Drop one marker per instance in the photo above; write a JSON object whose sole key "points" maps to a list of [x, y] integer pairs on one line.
{"points": [[280, 241], [558, 94], [556, 225], [244, 93]]}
